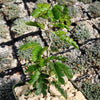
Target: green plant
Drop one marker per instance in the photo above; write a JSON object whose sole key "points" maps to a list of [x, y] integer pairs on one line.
{"points": [[57, 43], [85, 1], [92, 91], [11, 11], [81, 32], [43, 65], [94, 8], [58, 17], [27, 54]]}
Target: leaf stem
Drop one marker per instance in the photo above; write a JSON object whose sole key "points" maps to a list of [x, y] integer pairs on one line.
{"points": [[49, 44]]}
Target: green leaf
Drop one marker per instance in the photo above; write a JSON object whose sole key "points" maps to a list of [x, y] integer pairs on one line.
{"points": [[42, 51], [65, 18], [61, 58], [41, 87], [33, 68], [50, 15], [61, 32], [60, 25], [61, 90], [42, 10], [39, 56], [65, 11], [44, 92], [44, 75], [72, 42], [38, 92], [59, 7], [37, 24], [34, 77], [38, 12], [35, 53], [29, 46], [58, 72], [67, 70], [62, 36], [55, 58], [57, 11], [42, 63]]}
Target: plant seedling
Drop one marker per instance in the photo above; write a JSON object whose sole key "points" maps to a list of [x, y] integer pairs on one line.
{"points": [[43, 64]]}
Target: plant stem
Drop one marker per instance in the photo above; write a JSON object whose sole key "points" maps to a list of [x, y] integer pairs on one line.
{"points": [[49, 44]]}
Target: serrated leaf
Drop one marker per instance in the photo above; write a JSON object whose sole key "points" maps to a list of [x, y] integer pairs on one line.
{"points": [[67, 70], [61, 90], [56, 12], [59, 7], [44, 92], [35, 53], [72, 42], [65, 18], [38, 92], [42, 51], [38, 12], [34, 77], [41, 87], [42, 63], [56, 58], [37, 24], [65, 11], [33, 68], [62, 36], [61, 58], [61, 32], [58, 72], [50, 15], [29, 46], [60, 25], [44, 75]]}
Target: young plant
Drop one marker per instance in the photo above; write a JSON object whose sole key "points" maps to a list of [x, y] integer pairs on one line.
{"points": [[43, 65], [58, 19]]}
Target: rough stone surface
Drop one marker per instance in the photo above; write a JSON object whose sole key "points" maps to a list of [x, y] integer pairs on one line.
{"points": [[72, 93], [11, 42]]}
